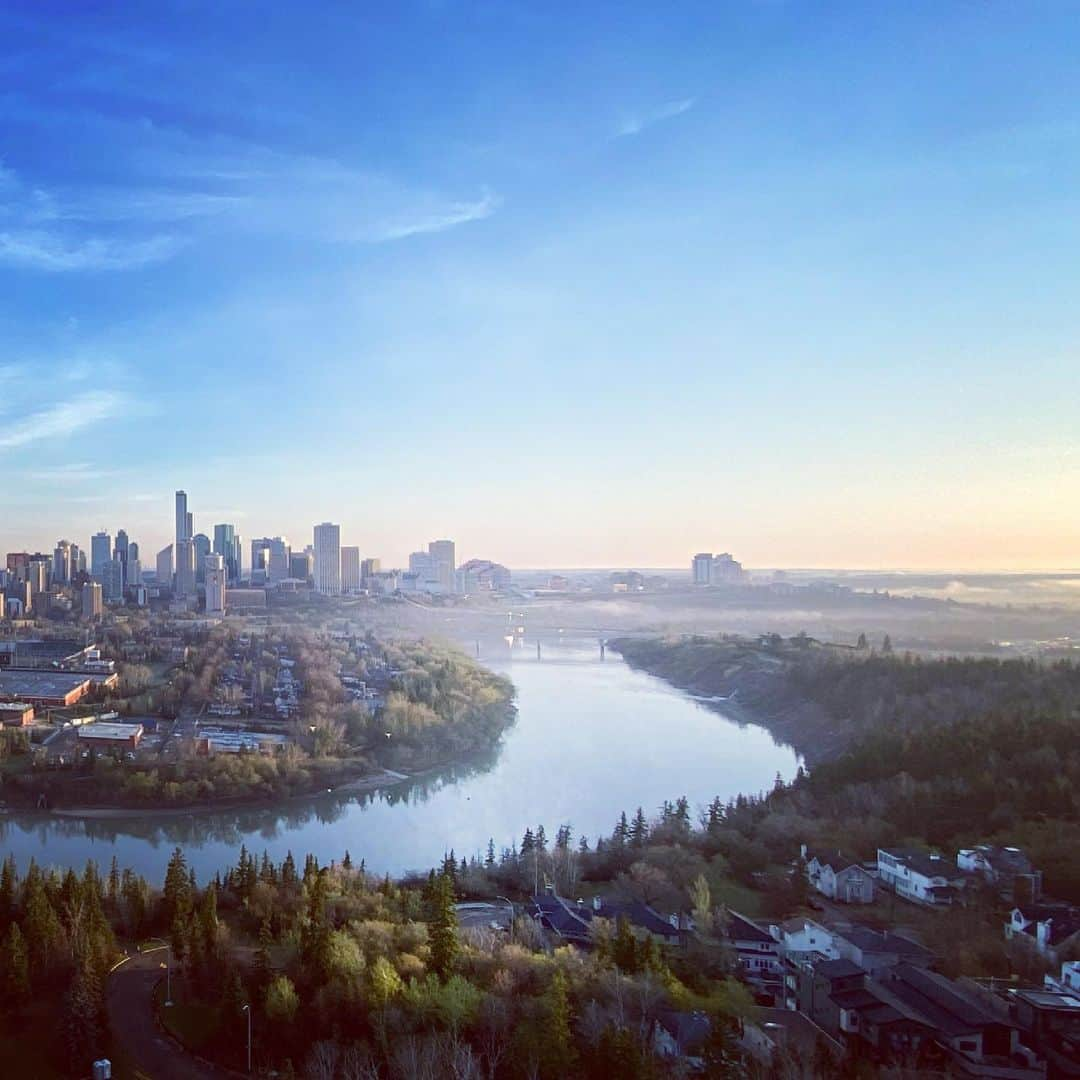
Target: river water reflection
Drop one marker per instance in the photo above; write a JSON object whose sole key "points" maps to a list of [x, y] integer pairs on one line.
{"points": [[592, 738]]}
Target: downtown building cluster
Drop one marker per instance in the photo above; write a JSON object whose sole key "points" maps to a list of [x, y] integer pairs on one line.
{"points": [[208, 571]]}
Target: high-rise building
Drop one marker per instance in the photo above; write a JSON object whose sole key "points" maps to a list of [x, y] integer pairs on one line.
{"points": [[165, 567], [133, 571], [120, 550], [185, 569], [202, 548], [368, 569], [100, 554], [443, 557], [227, 544], [215, 584], [701, 567], [278, 568], [112, 581], [328, 558], [92, 606], [302, 566], [183, 517], [63, 568], [350, 569]]}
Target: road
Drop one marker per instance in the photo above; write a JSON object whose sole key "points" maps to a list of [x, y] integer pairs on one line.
{"points": [[481, 916], [153, 1054]]}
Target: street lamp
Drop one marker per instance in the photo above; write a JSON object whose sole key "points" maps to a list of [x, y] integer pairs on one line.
{"points": [[247, 1009], [168, 976]]}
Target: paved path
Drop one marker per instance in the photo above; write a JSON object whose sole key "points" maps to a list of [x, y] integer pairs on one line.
{"points": [[154, 1056]]}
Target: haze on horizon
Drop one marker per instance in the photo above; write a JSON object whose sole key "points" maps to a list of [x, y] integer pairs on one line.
{"points": [[574, 289]]}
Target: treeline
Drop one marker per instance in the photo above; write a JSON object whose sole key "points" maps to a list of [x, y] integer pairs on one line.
{"points": [[57, 944], [357, 975]]}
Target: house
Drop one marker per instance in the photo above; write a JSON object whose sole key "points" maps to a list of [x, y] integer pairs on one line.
{"points": [[802, 938], [1050, 1021], [1047, 926], [681, 1036], [1008, 869], [877, 950], [1070, 977], [919, 876], [758, 953], [839, 877], [571, 921]]}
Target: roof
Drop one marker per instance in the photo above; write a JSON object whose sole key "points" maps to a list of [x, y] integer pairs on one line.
{"points": [[688, 1029], [740, 928], [99, 730], [923, 862], [639, 914], [32, 684], [939, 1000], [868, 940], [836, 859], [570, 919], [838, 969]]}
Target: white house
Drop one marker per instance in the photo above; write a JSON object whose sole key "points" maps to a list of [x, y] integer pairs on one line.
{"points": [[1070, 977], [839, 877], [919, 876], [1046, 926]]}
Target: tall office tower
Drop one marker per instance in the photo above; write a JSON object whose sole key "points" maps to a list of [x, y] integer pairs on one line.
{"points": [[183, 518], [227, 545], [701, 566], [422, 565], [37, 574], [112, 581], [165, 567], [133, 570], [63, 562], [81, 559], [368, 569], [442, 553], [215, 584], [100, 554], [17, 562], [202, 549], [120, 549], [301, 566], [328, 558], [63, 571], [185, 568], [350, 569], [92, 606], [278, 567]]}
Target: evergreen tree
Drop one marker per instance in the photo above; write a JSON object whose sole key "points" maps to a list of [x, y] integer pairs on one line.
{"points": [[443, 928], [14, 969], [489, 859], [639, 830]]}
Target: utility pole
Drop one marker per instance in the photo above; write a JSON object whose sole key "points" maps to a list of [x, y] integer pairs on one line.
{"points": [[168, 976], [247, 1009]]}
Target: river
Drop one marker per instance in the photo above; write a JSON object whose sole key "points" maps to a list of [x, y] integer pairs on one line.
{"points": [[592, 738]]}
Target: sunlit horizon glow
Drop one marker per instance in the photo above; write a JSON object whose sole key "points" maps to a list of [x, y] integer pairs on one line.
{"points": [[575, 288]]}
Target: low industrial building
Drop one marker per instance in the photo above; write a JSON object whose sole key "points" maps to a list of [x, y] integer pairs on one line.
{"points": [[46, 689], [16, 714], [104, 736], [212, 741]]}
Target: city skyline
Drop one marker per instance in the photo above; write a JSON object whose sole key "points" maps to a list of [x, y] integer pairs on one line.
{"points": [[717, 277]]}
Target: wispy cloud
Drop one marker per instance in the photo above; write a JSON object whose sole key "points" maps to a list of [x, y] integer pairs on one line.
{"points": [[76, 473], [454, 214], [636, 122], [63, 418], [42, 250]]}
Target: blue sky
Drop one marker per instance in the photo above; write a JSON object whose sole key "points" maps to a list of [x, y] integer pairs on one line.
{"points": [[576, 287]]}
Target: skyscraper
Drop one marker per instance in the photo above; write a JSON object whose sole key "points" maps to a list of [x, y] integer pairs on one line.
{"points": [[215, 584], [201, 543], [350, 569], [164, 567], [63, 570], [120, 550], [100, 554], [443, 555], [112, 582], [185, 569], [227, 545], [183, 518], [92, 607], [368, 569], [328, 558]]}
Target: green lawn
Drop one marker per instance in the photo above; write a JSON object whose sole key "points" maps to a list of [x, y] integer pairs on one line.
{"points": [[192, 1024]]}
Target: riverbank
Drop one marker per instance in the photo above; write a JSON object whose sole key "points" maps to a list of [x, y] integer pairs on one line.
{"points": [[379, 781], [744, 681]]}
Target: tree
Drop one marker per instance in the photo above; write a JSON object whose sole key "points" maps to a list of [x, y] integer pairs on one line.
{"points": [[558, 1044], [14, 968], [443, 931], [886, 645], [281, 1002]]}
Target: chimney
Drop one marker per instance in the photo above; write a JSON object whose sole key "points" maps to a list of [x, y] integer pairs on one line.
{"points": [[802, 852], [596, 903]]}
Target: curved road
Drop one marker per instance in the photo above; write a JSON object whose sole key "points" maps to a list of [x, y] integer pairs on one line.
{"points": [[154, 1056]]}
